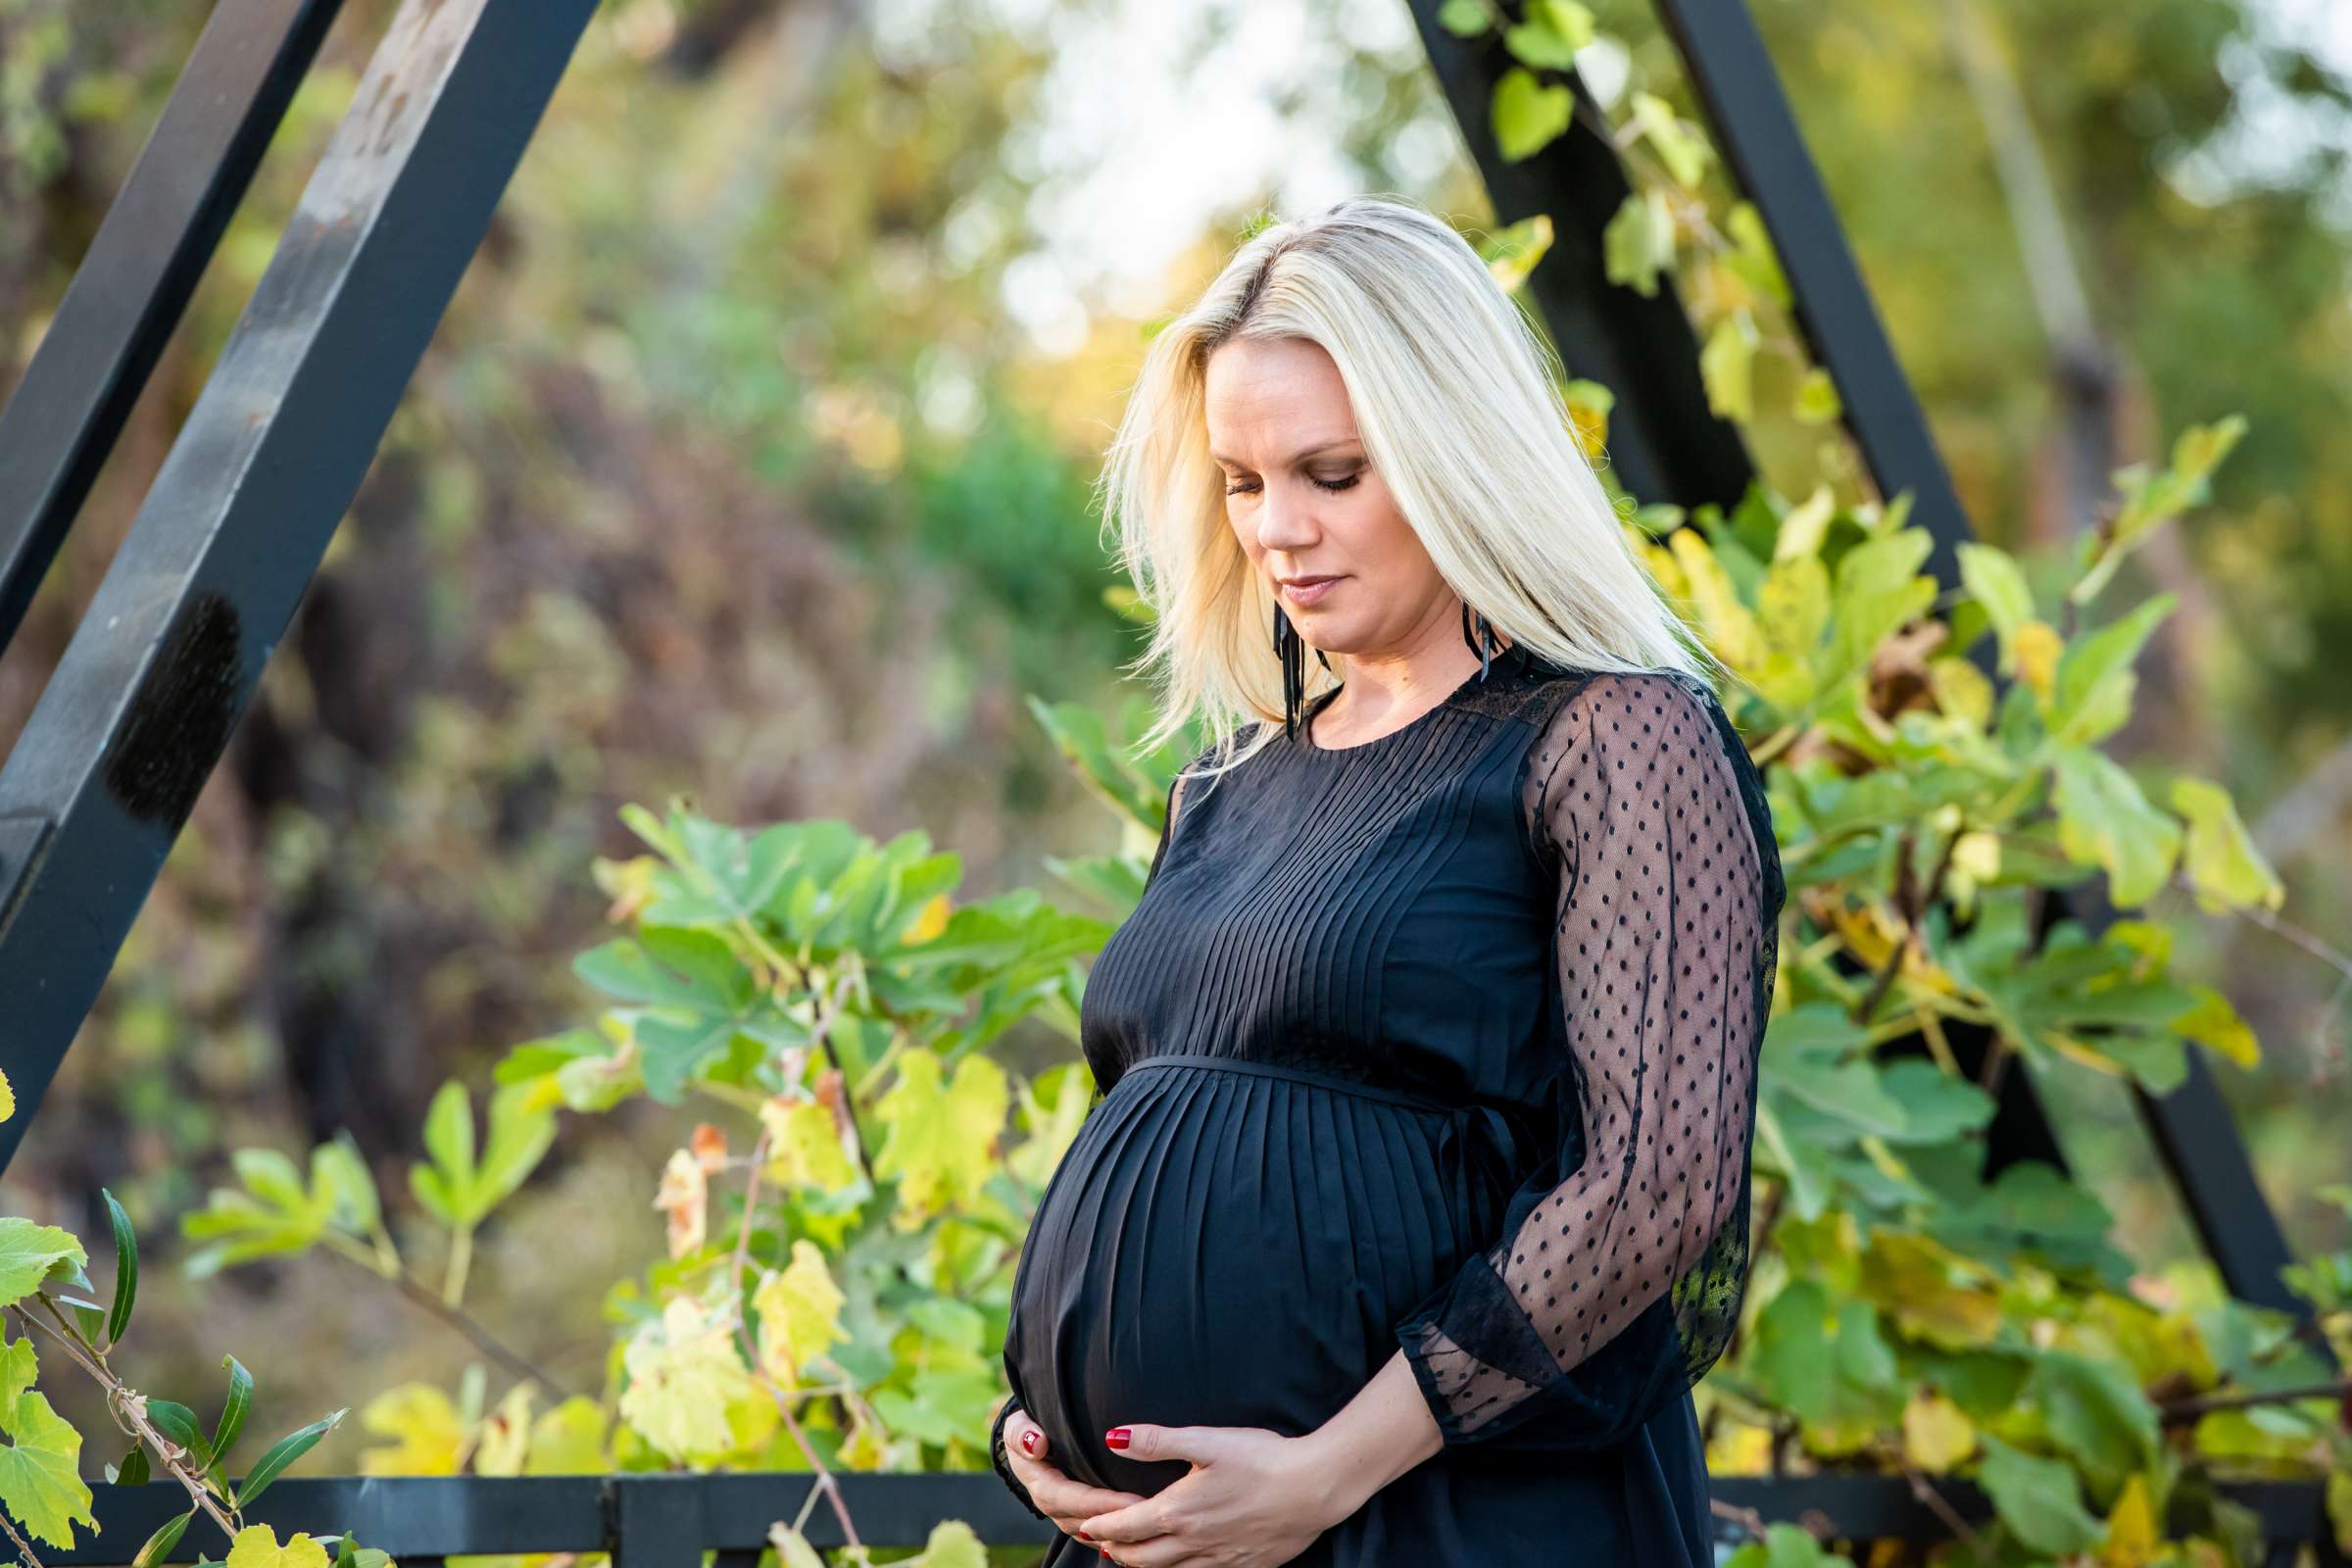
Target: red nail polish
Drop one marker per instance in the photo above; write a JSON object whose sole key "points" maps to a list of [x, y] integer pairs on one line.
{"points": [[1083, 1536], [1029, 1442], [1116, 1437]]}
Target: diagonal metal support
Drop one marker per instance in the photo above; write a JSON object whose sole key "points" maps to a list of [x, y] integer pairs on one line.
{"points": [[134, 281], [1665, 444], [163, 666], [1578, 175]]}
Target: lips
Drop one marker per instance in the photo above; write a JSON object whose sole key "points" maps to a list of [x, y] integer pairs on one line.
{"points": [[1307, 590]]}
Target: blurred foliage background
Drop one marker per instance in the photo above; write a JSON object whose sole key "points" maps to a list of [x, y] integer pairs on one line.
{"points": [[751, 462]]}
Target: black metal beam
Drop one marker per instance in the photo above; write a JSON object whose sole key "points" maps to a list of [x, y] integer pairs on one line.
{"points": [[1646, 350], [165, 663], [133, 284], [653, 1520], [1665, 444], [1764, 152]]}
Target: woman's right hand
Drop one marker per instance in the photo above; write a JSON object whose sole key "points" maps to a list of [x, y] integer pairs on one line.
{"points": [[1065, 1502]]}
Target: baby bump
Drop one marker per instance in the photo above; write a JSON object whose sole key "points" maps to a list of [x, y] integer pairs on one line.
{"points": [[1231, 1245]]}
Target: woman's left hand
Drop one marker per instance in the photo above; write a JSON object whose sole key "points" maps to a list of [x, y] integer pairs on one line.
{"points": [[1254, 1499]]}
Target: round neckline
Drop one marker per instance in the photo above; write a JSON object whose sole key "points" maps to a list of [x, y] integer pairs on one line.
{"points": [[1309, 745]]}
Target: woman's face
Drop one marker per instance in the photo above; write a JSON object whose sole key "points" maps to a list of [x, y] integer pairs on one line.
{"points": [[1305, 502]]}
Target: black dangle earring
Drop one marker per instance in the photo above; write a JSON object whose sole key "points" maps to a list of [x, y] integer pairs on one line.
{"points": [[1290, 648], [1483, 645]]}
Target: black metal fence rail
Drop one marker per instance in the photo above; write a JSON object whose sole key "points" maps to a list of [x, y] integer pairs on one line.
{"points": [[669, 1520]]}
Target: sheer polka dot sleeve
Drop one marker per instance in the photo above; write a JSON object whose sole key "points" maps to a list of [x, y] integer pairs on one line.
{"points": [[1623, 1259]]}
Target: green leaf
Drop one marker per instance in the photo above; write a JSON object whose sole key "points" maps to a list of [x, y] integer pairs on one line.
{"points": [[177, 1422], [157, 1549], [1727, 365], [340, 1175], [520, 1134], [233, 1414], [2225, 867], [1465, 18], [1817, 400], [940, 1134], [132, 1471], [2096, 679], [1551, 33], [2038, 1498], [1527, 115], [449, 1135], [1995, 581], [2104, 820], [127, 1269], [1685, 154], [1638, 242], [40, 1473], [2096, 1413], [31, 1254], [283, 1453], [952, 1546]]}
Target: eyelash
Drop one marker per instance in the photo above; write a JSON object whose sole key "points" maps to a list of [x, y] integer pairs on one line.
{"points": [[1347, 483]]}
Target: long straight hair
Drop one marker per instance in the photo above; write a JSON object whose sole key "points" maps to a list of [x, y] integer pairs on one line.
{"points": [[1458, 401]]}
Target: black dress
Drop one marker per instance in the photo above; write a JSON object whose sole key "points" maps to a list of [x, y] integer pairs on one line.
{"points": [[1446, 1041]]}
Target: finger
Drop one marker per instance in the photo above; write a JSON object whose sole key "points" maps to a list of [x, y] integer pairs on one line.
{"points": [[1167, 1551], [1024, 1436], [1140, 1520], [1056, 1494], [1140, 1440]]}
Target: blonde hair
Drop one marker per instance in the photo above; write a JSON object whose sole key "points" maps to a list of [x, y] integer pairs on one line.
{"points": [[1456, 396]]}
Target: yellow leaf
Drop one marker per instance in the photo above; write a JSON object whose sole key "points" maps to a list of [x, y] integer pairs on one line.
{"points": [[941, 1139], [792, 1547], [952, 1546], [804, 1148], [800, 1314], [1935, 1294], [1731, 626], [683, 1198], [2131, 1529], [255, 1546], [506, 1435], [1740, 1449], [1725, 368], [569, 1441], [8, 1097], [1937, 1433], [928, 924], [683, 1374], [2034, 649], [430, 1434], [1962, 691], [2225, 867]]}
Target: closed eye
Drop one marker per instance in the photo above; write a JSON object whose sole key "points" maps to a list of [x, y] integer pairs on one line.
{"points": [[1334, 488]]}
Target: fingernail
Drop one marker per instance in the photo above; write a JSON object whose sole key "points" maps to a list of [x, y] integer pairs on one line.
{"points": [[1116, 1437], [1083, 1536], [1028, 1443]]}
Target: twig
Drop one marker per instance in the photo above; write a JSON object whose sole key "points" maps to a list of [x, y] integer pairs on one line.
{"points": [[2181, 1411], [31, 1560], [1940, 1506], [458, 1318], [128, 1415], [742, 1336], [1747, 1519]]}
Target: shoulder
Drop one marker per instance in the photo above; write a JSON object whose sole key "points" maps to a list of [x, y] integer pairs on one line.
{"points": [[1667, 703], [1660, 725]]}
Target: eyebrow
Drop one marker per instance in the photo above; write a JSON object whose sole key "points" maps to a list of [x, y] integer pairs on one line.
{"points": [[1315, 451]]}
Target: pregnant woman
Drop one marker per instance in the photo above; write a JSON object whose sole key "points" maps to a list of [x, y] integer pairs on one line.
{"points": [[1417, 1196]]}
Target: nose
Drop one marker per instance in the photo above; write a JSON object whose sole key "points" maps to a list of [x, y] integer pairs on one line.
{"points": [[1286, 520]]}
